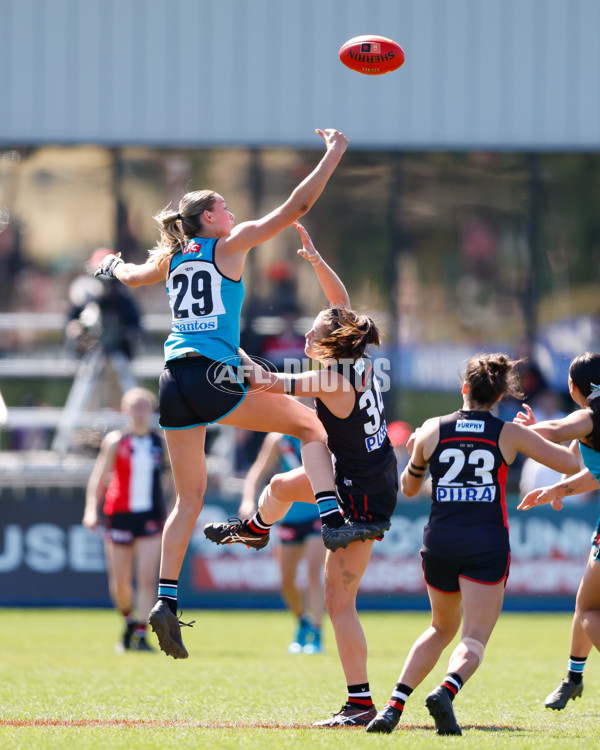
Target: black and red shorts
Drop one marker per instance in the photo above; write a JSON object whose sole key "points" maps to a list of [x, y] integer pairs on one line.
{"points": [[442, 573], [125, 528], [358, 506]]}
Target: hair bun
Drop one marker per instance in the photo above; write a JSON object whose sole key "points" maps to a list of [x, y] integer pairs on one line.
{"points": [[499, 364]]}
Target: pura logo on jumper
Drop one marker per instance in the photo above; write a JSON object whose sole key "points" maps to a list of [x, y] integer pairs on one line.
{"points": [[469, 425], [484, 494], [376, 441]]}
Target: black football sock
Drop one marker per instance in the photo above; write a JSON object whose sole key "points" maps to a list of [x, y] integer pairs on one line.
{"points": [[167, 592], [452, 683], [359, 696], [258, 526], [400, 695], [576, 667], [329, 510]]}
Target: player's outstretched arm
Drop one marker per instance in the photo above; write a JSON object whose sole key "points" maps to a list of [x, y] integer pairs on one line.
{"points": [[572, 427], [132, 274], [584, 481], [330, 282], [251, 233]]}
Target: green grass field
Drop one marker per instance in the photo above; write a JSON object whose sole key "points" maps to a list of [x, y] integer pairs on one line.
{"points": [[62, 685]]}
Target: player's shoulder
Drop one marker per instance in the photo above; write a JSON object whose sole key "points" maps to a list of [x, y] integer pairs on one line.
{"points": [[110, 443], [429, 426], [427, 435], [113, 438]]}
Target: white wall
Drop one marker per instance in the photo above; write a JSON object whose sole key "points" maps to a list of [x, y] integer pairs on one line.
{"points": [[478, 73]]}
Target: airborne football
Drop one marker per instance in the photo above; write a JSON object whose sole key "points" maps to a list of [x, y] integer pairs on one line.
{"points": [[371, 55]]}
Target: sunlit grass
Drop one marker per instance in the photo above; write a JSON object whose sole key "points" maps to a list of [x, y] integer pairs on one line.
{"points": [[63, 686]]}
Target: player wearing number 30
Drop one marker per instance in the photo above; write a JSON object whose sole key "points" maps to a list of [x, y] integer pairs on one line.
{"points": [[201, 255], [349, 404], [466, 551]]}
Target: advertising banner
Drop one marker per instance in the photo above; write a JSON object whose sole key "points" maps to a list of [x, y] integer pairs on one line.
{"points": [[48, 559], [549, 551]]}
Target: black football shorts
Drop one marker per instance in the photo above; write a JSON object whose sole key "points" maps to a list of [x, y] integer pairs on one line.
{"points": [[125, 528], [442, 573], [360, 507], [197, 391]]}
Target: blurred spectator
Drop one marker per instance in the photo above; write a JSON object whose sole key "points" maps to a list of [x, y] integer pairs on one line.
{"points": [[282, 297], [532, 382], [280, 302], [30, 438], [399, 433], [102, 329], [479, 247], [286, 345], [11, 259], [102, 312]]}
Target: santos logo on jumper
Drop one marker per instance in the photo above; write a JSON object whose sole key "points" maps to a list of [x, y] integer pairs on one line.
{"points": [[465, 425]]}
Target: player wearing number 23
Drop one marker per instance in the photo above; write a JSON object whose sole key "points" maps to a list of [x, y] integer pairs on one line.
{"points": [[466, 551]]}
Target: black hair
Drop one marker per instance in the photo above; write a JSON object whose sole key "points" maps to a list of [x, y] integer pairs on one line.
{"points": [[584, 371]]}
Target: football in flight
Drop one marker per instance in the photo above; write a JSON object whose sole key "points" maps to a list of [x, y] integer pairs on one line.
{"points": [[371, 55]]}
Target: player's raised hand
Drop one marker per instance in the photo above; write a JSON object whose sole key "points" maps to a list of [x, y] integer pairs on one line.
{"points": [[526, 417], [308, 251], [335, 140]]}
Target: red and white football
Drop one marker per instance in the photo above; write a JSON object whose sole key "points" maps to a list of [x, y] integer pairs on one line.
{"points": [[371, 55]]}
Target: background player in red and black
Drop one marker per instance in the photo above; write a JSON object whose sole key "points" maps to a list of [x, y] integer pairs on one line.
{"points": [[126, 486], [466, 552]]}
